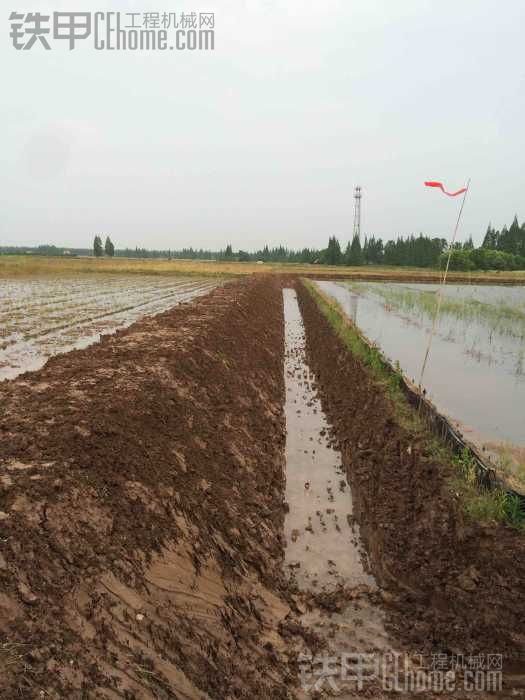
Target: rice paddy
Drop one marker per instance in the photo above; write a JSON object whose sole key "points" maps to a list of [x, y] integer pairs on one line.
{"points": [[41, 317], [475, 374]]}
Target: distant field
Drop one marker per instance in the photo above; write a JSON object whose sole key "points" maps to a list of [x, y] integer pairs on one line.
{"points": [[19, 265]]}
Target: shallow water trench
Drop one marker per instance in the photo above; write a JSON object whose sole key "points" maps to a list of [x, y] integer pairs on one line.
{"points": [[322, 540], [324, 555]]}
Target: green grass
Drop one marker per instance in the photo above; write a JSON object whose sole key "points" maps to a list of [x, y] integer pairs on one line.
{"points": [[510, 461], [494, 505], [488, 506]]}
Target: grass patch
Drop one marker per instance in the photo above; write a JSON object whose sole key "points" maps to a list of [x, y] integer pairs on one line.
{"points": [[494, 505], [510, 461], [31, 265]]}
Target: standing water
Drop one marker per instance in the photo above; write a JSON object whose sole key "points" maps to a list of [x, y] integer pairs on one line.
{"points": [[323, 551], [322, 540], [476, 370]]}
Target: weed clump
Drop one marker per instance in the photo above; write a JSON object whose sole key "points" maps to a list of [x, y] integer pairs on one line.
{"points": [[484, 504]]}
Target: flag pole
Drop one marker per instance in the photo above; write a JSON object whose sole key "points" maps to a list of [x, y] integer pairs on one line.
{"points": [[440, 292]]}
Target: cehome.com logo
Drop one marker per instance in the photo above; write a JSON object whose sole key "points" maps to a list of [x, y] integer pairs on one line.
{"points": [[114, 31]]}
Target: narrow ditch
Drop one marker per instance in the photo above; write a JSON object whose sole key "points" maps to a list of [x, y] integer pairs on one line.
{"points": [[323, 545], [324, 556]]}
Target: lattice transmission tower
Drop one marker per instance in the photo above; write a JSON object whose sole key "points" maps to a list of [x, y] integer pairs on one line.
{"points": [[357, 212]]}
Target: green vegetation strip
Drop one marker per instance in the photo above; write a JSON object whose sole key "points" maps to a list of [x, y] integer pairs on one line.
{"points": [[487, 502]]}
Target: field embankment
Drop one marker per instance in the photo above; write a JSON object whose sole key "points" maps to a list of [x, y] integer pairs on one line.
{"points": [[451, 584], [142, 510], [30, 265]]}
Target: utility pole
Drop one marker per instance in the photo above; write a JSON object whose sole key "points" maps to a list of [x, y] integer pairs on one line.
{"points": [[357, 213]]}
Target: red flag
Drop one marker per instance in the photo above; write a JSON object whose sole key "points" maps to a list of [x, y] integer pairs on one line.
{"points": [[440, 185]]}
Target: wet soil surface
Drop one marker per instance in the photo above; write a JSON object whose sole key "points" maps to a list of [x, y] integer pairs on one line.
{"points": [[142, 509], [142, 516], [449, 585], [45, 317]]}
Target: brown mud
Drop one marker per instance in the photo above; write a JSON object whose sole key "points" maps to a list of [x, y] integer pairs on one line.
{"points": [[142, 516], [142, 510], [449, 584]]}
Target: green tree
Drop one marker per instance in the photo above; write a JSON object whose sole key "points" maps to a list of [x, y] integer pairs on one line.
{"points": [[109, 247], [332, 255], [490, 240], [505, 241], [372, 251], [354, 253], [98, 251], [515, 232]]}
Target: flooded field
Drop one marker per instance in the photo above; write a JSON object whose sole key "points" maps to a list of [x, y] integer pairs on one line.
{"points": [[41, 317], [475, 373]]}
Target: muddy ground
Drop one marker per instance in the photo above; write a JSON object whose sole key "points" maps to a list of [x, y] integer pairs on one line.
{"points": [[142, 510]]}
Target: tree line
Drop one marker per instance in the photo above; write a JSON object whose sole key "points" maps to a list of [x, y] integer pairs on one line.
{"points": [[500, 250], [419, 251]]}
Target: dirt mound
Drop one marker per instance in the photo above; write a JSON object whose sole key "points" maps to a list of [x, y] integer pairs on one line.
{"points": [[142, 508], [453, 585]]}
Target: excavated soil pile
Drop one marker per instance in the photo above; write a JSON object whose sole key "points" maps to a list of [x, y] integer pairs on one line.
{"points": [[142, 510], [452, 585]]}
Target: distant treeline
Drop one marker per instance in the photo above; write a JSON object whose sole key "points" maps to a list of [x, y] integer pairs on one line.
{"points": [[500, 250], [43, 250], [419, 251]]}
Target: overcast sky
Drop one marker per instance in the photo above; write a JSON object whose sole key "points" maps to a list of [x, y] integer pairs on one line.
{"points": [[263, 139]]}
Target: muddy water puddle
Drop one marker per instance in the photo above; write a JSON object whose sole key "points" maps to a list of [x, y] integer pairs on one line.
{"points": [[324, 556]]}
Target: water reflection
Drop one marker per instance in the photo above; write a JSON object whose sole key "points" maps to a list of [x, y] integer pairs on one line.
{"points": [[323, 545], [476, 369]]}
